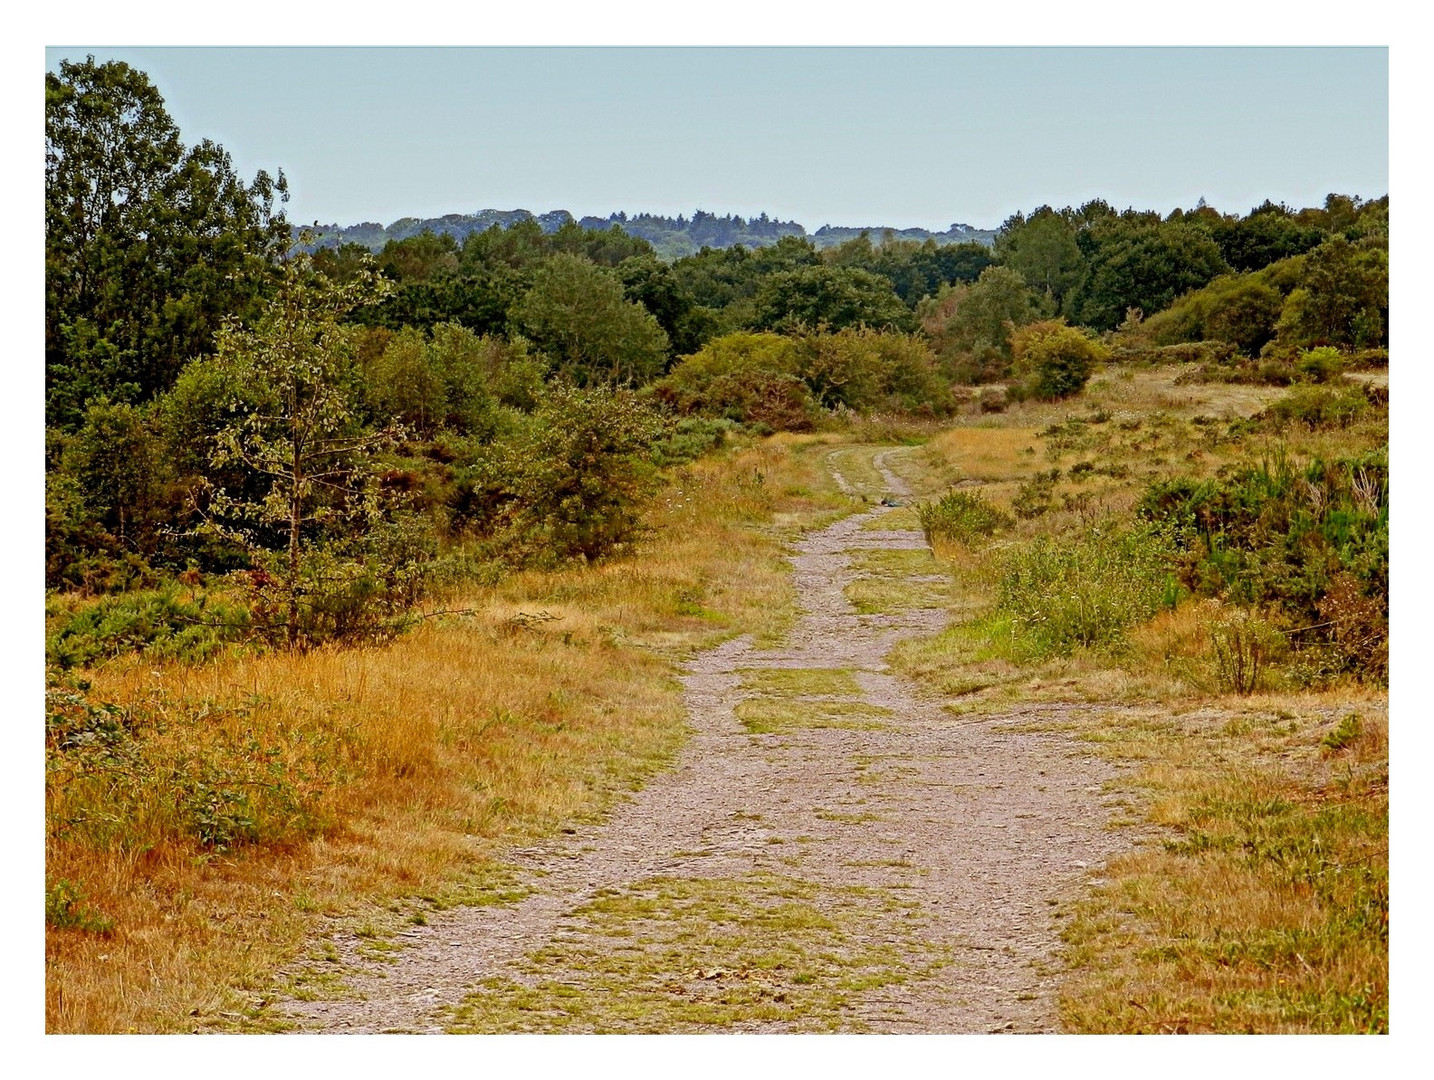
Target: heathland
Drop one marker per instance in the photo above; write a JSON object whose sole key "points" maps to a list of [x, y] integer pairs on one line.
{"points": [[368, 572]]}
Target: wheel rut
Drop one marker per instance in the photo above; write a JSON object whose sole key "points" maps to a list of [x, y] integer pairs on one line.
{"points": [[831, 851]]}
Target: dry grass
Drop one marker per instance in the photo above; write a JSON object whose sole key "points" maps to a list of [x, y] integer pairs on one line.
{"points": [[405, 769], [1263, 904]]}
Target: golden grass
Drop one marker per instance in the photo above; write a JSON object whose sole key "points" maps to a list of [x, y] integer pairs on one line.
{"points": [[1264, 906], [1261, 902], [407, 769]]}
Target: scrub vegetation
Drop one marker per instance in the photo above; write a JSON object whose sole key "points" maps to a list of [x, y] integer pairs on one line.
{"points": [[364, 565]]}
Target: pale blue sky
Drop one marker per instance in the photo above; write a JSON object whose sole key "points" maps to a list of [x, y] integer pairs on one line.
{"points": [[901, 137]]}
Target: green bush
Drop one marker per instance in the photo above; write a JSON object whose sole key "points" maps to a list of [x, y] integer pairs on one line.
{"points": [[749, 378], [158, 622], [961, 516], [1051, 361], [574, 484], [1084, 591], [1317, 407], [1320, 365], [1310, 541], [691, 437]]}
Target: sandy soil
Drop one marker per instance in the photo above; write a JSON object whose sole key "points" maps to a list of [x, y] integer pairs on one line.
{"points": [[980, 826]]}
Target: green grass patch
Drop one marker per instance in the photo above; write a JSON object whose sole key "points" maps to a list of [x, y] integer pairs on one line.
{"points": [[801, 682], [688, 955], [891, 581], [902, 519], [768, 716]]}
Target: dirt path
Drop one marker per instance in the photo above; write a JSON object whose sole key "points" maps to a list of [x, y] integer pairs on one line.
{"points": [[832, 851]]}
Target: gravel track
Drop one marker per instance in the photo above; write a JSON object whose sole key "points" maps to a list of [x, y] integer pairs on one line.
{"points": [[984, 824]]}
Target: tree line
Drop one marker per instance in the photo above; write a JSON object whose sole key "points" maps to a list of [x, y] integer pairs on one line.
{"points": [[329, 429]]}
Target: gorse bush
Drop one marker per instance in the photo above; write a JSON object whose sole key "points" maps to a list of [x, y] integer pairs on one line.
{"points": [[1312, 541], [1084, 591], [161, 623], [1317, 407], [962, 516]]}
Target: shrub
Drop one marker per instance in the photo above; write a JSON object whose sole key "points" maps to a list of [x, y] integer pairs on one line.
{"points": [[576, 480], [1052, 360], [1033, 497], [1320, 365], [1086, 590], [689, 438], [160, 623], [750, 378], [961, 516], [64, 910], [1311, 542], [1317, 408]]}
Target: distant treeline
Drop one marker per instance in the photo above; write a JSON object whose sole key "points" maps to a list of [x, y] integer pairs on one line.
{"points": [[671, 237], [218, 402]]}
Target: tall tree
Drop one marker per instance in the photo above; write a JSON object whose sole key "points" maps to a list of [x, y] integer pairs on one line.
{"points": [[577, 314], [148, 245], [306, 446], [1043, 250]]}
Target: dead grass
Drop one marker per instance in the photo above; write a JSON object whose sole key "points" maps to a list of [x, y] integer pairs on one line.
{"points": [[1262, 904], [417, 762]]}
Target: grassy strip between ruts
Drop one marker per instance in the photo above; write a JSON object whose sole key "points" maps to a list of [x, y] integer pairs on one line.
{"points": [[241, 807], [693, 954]]}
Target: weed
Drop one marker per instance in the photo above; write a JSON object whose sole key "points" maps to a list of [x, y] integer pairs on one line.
{"points": [[64, 910], [1344, 735], [1244, 645], [1084, 591], [965, 517]]}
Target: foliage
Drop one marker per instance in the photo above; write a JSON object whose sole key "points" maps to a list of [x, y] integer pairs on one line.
{"points": [[1042, 248], [747, 377], [64, 910], [163, 623], [577, 314], [828, 297], [1316, 407], [970, 325], [1133, 263], [450, 379], [1310, 541], [116, 779], [1342, 298], [1244, 645], [1084, 591], [307, 458], [1241, 309], [961, 516], [148, 245], [578, 477], [1051, 360]]}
